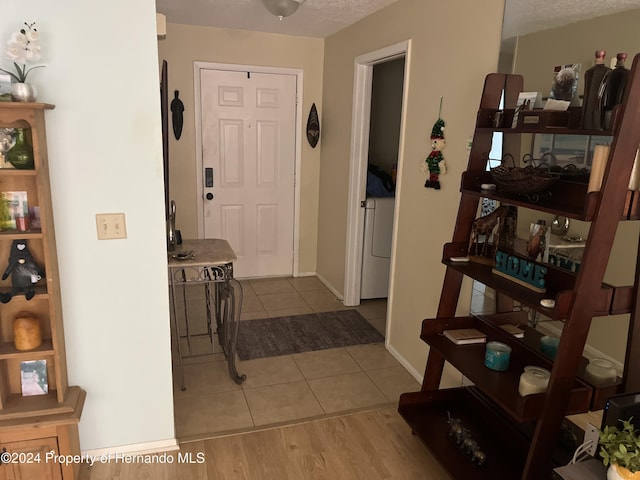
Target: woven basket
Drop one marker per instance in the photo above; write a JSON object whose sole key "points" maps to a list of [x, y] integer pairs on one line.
{"points": [[522, 180]]}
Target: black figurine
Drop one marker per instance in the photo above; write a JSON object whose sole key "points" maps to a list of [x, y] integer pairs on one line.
{"points": [[24, 271]]}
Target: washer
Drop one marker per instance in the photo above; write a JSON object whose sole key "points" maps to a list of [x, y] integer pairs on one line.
{"points": [[376, 252]]}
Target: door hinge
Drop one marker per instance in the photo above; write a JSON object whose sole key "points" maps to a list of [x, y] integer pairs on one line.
{"points": [[363, 203]]}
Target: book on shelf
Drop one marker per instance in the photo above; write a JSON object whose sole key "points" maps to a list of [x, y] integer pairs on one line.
{"points": [[464, 336], [514, 330], [14, 211], [33, 375]]}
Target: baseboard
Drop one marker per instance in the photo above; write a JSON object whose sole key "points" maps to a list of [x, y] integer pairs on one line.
{"points": [[324, 281], [305, 274], [407, 366], [146, 448]]}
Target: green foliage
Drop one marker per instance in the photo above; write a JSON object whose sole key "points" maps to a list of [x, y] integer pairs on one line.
{"points": [[621, 447]]}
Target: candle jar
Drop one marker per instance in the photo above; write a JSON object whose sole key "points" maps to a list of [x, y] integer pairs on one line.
{"points": [[497, 356], [533, 380], [600, 372], [26, 331], [549, 346]]}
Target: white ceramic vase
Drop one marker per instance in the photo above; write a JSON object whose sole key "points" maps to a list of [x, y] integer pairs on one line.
{"points": [[23, 92], [617, 473]]}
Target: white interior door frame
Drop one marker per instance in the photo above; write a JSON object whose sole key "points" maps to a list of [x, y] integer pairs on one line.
{"points": [[361, 115], [197, 67]]}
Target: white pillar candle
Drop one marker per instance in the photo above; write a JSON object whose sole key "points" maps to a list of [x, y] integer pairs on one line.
{"points": [[599, 163]]}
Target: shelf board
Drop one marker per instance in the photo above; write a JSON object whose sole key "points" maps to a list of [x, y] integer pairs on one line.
{"points": [[15, 172], [565, 198], [31, 234], [27, 105], [505, 444], [41, 294], [8, 350], [19, 407], [501, 387], [484, 123], [428, 412], [559, 286]]}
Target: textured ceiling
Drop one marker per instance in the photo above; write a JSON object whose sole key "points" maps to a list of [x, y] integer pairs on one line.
{"points": [[321, 18], [528, 16], [314, 18]]}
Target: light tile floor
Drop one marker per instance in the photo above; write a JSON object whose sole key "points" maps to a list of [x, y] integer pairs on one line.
{"points": [[290, 388]]}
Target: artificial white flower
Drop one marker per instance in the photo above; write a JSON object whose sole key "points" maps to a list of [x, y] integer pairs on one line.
{"points": [[32, 35], [22, 47]]}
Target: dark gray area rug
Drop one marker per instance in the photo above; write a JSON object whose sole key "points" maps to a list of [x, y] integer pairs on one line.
{"points": [[271, 337]]}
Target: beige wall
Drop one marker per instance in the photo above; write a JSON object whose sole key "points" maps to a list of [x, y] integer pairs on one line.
{"points": [[454, 45], [536, 55], [186, 44]]}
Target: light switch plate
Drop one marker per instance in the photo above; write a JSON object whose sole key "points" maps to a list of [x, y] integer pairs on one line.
{"points": [[111, 226]]}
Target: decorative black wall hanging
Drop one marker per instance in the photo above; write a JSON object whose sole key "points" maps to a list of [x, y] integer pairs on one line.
{"points": [[177, 107], [313, 127]]}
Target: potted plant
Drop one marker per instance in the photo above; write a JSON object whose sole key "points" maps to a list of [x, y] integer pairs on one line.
{"points": [[620, 451]]}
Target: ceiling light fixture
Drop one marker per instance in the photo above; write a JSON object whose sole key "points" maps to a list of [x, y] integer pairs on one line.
{"points": [[282, 8]]}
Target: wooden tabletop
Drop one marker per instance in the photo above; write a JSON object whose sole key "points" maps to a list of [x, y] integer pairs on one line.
{"points": [[213, 251]]}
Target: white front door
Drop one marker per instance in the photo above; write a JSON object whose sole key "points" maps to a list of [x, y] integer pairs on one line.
{"points": [[248, 165]]}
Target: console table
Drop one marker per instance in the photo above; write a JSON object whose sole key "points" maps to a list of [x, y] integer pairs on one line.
{"points": [[208, 262]]}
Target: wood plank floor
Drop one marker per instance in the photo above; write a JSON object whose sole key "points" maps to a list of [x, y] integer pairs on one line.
{"points": [[369, 445]]}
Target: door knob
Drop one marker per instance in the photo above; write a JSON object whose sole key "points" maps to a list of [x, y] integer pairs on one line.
{"points": [[209, 196]]}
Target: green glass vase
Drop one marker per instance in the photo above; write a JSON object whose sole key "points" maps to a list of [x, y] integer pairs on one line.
{"points": [[21, 154]]}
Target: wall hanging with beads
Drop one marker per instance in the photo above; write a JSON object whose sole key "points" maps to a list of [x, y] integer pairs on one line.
{"points": [[434, 165]]}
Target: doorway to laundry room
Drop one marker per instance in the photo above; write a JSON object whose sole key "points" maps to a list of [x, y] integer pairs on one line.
{"points": [[379, 92], [382, 164]]}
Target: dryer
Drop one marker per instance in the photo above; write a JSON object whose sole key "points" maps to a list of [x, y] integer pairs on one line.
{"points": [[376, 251]]}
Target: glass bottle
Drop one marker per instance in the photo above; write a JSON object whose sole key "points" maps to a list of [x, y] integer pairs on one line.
{"points": [[21, 154], [591, 115], [612, 89]]}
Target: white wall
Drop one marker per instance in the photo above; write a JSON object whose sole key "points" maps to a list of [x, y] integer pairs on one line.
{"points": [[105, 153]]}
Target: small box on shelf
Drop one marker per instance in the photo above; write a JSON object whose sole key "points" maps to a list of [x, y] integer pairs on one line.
{"points": [[14, 211]]}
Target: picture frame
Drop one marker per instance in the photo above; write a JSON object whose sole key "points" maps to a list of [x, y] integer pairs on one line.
{"points": [[33, 378]]}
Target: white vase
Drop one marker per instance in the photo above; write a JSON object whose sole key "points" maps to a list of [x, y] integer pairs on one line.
{"points": [[23, 92], [617, 473]]}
